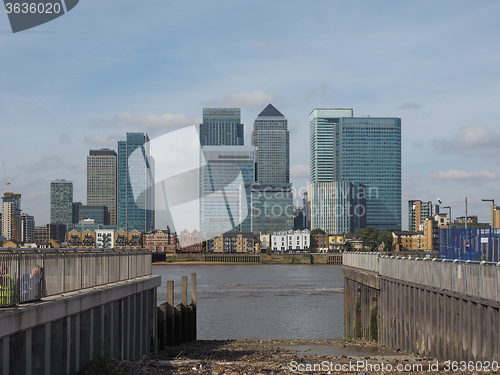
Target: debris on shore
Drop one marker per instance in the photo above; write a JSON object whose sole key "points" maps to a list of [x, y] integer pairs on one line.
{"points": [[279, 357]]}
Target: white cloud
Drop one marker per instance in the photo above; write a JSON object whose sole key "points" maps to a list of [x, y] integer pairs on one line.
{"points": [[243, 99], [167, 121], [101, 140], [454, 174], [299, 170], [479, 139], [53, 163], [410, 105]]}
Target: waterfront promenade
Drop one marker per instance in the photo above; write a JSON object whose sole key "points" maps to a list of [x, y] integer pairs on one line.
{"points": [[91, 303]]}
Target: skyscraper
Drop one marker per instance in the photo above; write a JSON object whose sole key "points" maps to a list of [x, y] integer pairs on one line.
{"points": [[272, 199], [272, 207], [101, 180], [61, 202], [337, 207], [363, 150], [135, 197], [225, 187], [325, 143], [11, 216], [221, 127], [272, 141]]}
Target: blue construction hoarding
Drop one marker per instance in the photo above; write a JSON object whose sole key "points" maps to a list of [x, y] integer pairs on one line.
{"points": [[469, 244]]}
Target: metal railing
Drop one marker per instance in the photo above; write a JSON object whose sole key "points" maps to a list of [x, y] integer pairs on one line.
{"points": [[480, 279], [365, 261], [30, 274]]}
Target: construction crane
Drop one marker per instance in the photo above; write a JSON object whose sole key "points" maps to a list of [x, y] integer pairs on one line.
{"points": [[7, 178], [12, 215]]}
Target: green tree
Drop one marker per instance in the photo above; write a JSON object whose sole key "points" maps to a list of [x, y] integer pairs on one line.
{"points": [[347, 246], [385, 237], [318, 231], [369, 237]]}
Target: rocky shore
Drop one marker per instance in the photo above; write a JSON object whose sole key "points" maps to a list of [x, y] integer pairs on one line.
{"points": [[276, 357]]}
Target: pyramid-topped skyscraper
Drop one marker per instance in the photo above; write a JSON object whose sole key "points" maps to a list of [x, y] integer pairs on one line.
{"points": [[272, 193], [272, 140]]}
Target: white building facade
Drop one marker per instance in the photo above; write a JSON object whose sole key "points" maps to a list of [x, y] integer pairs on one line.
{"points": [[104, 239], [298, 240]]}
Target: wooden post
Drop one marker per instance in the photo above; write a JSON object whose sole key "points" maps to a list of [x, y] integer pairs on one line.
{"points": [[162, 322], [169, 324], [184, 319], [193, 303]]}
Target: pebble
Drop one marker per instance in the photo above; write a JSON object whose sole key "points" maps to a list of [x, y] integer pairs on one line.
{"points": [[231, 357]]}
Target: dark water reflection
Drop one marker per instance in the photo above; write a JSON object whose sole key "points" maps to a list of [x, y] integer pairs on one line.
{"points": [[263, 301]]}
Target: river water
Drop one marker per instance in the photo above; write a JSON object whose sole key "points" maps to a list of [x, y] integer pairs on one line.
{"points": [[261, 301]]}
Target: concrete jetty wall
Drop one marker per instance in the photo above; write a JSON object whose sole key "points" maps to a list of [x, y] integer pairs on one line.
{"points": [[440, 308], [62, 332]]}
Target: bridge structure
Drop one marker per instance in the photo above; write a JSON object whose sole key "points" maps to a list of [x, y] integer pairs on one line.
{"points": [[447, 309], [61, 308]]}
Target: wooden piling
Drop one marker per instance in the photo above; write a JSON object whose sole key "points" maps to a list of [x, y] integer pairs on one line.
{"points": [[169, 323], [193, 307]]}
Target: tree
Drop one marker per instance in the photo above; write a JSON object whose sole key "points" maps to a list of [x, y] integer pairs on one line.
{"points": [[385, 237], [369, 237], [347, 246], [318, 231]]}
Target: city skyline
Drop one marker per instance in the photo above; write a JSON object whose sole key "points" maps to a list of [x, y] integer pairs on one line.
{"points": [[401, 60]]}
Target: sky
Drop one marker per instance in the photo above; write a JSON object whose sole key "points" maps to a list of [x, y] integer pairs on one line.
{"points": [[83, 80]]}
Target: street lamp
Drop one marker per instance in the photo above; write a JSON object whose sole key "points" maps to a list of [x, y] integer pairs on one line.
{"points": [[449, 229], [493, 226]]}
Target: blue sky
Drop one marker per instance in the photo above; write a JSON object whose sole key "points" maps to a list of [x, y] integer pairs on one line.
{"points": [[85, 79]]}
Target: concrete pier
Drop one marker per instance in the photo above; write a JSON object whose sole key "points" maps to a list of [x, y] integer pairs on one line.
{"points": [[445, 309], [62, 332]]}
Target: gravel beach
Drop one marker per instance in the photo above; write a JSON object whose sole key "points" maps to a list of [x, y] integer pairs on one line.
{"points": [[281, 357]]}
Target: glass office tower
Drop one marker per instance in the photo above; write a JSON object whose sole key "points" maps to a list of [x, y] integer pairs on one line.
{"points": [[61, 202], [225, 187], [221, 127], [135, 198], [337, 207], [272, 198], [325, 143], [272, 141], [364, 150], [371, 155]]}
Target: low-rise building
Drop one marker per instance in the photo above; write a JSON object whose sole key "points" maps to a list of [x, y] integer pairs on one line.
{"points": [[129, 240], [161, 241], [408, 241], [442, 220], [319, 243], [108, 237], [234, 243], [265, 241], [353, 242], [291, 240], [336, 243], [190, 242], [105, 238]]}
